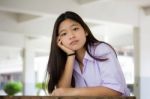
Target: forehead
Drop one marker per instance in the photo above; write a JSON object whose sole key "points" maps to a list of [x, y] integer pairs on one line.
{"points": [[67, 23]]}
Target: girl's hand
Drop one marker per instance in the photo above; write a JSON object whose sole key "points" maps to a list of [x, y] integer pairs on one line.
{"points": [[63, 92], [65, 49], [58, 92]]}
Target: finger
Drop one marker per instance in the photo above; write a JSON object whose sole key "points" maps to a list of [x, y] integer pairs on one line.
{"points": [[58, 38], [52, 94], [59, 43]]}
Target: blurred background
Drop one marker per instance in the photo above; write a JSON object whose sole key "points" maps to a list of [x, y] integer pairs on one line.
{"points": [[25, 37]]}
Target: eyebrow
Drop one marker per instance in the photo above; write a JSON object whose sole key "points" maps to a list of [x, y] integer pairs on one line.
{"points": [[74, 24]]}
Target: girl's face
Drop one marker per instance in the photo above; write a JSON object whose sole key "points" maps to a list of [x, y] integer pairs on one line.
{"points": [[72, 34]]}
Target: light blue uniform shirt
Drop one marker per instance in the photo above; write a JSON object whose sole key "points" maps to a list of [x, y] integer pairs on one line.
{"points": [[101, 73]]}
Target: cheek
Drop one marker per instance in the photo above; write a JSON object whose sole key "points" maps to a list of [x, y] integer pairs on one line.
{"points": [[65, 42]]}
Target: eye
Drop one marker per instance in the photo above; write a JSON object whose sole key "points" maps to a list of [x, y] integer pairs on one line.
{"points": [[63, 34], [75, 29]]}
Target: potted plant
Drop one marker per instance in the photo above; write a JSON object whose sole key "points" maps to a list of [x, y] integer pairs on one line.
{"points": [[12, 87], [40, 86]]}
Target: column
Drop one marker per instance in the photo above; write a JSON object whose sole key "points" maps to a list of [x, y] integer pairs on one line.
{"points": [[28, 69]]}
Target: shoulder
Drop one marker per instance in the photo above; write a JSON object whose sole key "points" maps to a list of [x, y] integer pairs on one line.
{"points": [[103, 49]]}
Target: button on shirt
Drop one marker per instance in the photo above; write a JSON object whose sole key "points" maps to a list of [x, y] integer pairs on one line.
{"points": [[101, 73]]}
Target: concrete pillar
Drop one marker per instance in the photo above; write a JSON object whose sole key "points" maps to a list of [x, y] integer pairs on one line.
{"points": [[28, 69], [142, 53], [136, 39]]}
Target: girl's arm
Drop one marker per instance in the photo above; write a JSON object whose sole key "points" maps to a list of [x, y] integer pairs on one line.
{"points": [[65, 80], [90, 91], [66, 77]]}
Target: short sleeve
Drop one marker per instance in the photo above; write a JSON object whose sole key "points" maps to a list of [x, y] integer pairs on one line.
{"points": [[110, 71]]}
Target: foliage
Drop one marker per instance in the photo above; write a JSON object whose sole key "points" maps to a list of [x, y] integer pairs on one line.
{"points": [[12, 87], [40, 86]]}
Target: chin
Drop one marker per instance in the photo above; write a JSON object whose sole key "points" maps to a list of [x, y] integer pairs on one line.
{"points": [[76, 48]]}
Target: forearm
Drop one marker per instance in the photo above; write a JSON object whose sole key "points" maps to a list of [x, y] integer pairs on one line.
{"points": [[66, 77], [94, 91]]}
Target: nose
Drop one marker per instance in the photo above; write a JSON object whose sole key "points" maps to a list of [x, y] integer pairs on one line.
{"points": [[71, 35]]}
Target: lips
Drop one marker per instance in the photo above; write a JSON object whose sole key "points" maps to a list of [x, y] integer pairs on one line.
{"points": [[74, 42]]}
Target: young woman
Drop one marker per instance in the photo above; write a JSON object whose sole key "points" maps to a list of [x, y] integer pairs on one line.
{"points": [[79, 64]]}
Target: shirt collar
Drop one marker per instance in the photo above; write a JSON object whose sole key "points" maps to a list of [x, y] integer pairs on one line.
{"points": [[87, 57]]}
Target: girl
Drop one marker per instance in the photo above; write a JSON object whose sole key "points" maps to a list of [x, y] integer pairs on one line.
{"points": [[79, 64]]}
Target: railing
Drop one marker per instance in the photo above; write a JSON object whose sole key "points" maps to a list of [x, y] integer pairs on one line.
{"points": [[64, 97]]}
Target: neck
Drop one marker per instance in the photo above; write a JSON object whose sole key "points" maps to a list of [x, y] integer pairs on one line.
{"points": [[80, 54]]}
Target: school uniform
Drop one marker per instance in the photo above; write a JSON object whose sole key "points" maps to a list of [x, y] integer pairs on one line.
{"points": [[100, 73]]}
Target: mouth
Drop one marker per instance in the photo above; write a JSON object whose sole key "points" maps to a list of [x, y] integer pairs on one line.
{"points": [[74, 42]]}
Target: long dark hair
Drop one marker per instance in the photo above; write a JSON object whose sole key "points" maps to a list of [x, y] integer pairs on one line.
{"points": [[57, 58]]}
